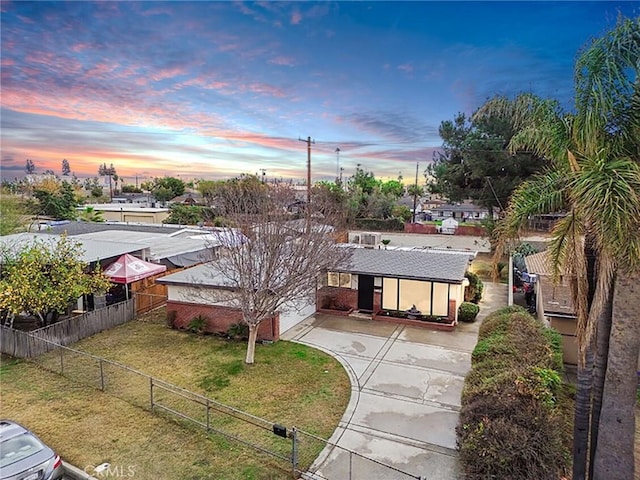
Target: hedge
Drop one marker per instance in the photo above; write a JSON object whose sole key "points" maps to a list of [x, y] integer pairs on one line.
{"points": [[473, 293], [516, 412], [467, 312]]}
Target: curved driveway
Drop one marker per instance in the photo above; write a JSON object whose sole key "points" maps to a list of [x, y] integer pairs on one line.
{"points": [[406, 387]]}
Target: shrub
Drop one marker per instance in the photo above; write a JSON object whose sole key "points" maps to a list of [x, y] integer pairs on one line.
{"points": [[473, 293], [515, 415], [197, 324], [238, 331], [467, 312], [171, 318]]}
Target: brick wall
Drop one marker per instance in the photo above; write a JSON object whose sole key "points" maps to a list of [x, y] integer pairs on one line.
{"points": [[346, 297], [453, 311], [377, 301], [420, 228], [220, 318]]}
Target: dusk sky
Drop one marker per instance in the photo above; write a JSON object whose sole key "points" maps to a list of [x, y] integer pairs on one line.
{"points": [[216, 89]]}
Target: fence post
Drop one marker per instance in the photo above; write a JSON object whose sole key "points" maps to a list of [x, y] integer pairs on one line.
{"points": [[208, 410], [294, 450], [101, 376], [61, 361], [151, 392]]}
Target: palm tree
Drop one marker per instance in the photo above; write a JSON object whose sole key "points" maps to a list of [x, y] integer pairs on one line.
{"points": [[595, 177], [90, 214]]}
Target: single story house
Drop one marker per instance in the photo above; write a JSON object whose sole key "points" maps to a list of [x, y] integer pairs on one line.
{"points": [[460, 211], [372, 281], [375, 281]]}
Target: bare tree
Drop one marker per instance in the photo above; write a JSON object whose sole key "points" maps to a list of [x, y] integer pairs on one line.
{"points": [[279, 258]]}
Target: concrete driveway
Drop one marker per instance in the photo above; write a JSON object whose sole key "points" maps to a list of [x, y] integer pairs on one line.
{"points": [[406, 387]]}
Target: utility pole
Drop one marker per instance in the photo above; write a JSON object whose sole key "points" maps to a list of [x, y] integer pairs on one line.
{"points": [[308, 141], [415, 194], [337, 164]]}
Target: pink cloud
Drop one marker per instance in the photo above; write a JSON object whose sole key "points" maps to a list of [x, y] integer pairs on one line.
{"points": [[80, 47], [296, 17], [265, 89], [283, 61], [168, 73]]}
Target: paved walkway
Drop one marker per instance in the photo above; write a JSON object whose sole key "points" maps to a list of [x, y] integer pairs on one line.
{"points": [[406, 387]]}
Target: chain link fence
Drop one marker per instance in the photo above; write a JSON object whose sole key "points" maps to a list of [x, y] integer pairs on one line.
{"points": [[302, 454]]}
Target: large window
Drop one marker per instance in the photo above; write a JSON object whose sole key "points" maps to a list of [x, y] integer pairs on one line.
{"points": [[415, 292], [431, 298], [440, 299]]}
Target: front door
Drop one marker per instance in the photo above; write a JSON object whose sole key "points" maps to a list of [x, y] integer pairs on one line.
{"points": [[365, 293]]}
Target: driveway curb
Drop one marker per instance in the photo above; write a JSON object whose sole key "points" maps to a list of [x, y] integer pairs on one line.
{"points": [[348, 413], [74, 473]]}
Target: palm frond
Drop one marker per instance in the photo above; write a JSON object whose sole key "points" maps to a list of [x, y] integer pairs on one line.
{"points": [[606, 75], [607, 193], [566, 256]]}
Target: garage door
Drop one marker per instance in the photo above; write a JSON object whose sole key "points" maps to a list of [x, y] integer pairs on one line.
{"points": [[294, 313]]}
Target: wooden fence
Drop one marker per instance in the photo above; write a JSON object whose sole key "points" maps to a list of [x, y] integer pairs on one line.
{"points": [[150, 295], [17, 344]]}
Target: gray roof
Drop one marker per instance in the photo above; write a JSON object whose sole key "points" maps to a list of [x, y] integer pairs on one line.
{"points": [[413, 264], [205, 274], [77, 228], [92, 249], [465, 207], [161, 245]]}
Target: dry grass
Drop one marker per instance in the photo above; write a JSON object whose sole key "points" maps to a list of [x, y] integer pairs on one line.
{"points": [[291, 384]]}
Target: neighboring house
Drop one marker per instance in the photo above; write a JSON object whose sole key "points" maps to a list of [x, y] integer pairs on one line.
{"points": [[553, 303], [189, 198], [396, 280], [174, 249], [130, 213], [93, 251], [460, 211], [203, 291]]}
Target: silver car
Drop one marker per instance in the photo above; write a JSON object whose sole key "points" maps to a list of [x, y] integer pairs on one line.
{"points": [[23, 456]]}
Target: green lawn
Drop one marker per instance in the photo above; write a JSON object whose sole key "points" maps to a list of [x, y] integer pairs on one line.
{"points": [[290, 384]]}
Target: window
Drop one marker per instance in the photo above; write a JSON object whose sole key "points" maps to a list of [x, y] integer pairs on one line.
{"points": [[335, 279]]}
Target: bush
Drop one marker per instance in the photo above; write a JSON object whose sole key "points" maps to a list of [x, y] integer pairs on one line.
{"points": [[473, 293], [197, 324], [171, 318], [515, 415], [238, 331], [467, 312]]}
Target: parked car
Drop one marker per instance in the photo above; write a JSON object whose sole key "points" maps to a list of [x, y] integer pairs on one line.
{"points": [[23, 456]]}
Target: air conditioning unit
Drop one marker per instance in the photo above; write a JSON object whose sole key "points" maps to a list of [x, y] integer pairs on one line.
{"points": [[371, 240]]}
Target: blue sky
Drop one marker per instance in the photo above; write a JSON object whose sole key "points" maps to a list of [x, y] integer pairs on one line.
{"points": [[216, 89]]}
